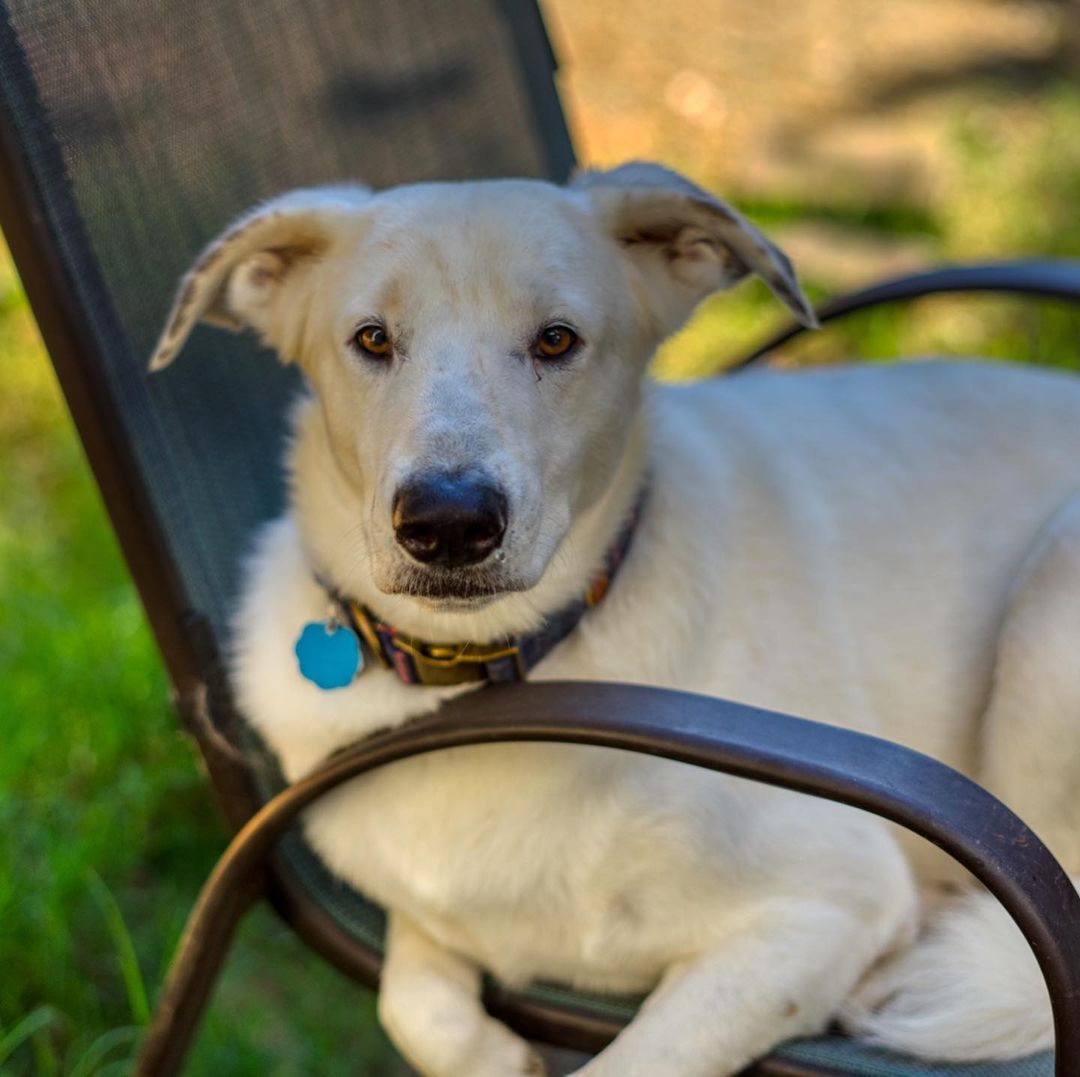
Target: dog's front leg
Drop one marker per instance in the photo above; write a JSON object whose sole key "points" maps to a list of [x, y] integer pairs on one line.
{"points": [[429, 1003], [783, 976]]}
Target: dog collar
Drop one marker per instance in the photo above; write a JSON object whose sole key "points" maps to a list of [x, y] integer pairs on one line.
{"points": [[417, 661]]}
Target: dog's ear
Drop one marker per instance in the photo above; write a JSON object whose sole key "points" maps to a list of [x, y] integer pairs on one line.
{"points": [[685, 243], [235, 281]]}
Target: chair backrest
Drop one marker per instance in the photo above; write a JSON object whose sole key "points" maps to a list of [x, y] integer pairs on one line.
{"points": [[134, 130]]}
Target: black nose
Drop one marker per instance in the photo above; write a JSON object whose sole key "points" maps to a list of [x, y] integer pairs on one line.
{"points": [[449, 520]]}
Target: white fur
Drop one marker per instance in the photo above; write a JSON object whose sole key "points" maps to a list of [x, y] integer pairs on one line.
{"points": [[884, 549], [970, 989]]}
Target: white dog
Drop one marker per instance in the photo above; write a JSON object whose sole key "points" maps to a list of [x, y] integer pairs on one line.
{"points": [[891, 550]]}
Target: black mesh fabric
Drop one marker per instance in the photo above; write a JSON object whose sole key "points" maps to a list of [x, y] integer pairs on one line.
{"points": [[150, 124]]}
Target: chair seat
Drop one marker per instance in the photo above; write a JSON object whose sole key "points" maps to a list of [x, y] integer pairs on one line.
{"points": [[366, 922]]}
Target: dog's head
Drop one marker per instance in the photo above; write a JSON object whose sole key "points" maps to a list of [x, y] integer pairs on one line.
{"points": [[476, 349]]}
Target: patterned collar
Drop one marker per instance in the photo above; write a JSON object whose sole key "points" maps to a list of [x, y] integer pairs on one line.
{"points": [[418, 662]]}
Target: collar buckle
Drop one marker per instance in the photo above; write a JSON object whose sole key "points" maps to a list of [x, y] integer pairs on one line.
{"points": [[437, 663], [448, 663]]}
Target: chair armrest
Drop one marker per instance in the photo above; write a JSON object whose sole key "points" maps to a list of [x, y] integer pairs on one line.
{"points": [[896, 783], [866, 772], [1046, 278]]}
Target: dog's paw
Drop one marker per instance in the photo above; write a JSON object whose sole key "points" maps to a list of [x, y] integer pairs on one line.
{"points": [[500, 1053], [968, 990], [534, 1066], [514, 1058]]}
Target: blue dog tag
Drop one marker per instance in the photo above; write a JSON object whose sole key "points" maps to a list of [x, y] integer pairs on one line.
{"points": [[329, 654]]}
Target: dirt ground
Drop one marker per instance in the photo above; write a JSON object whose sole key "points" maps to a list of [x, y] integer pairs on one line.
{"points": [[821, 101]]}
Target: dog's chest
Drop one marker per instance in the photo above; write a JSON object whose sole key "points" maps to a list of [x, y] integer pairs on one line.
{"points": [[507, 853]]}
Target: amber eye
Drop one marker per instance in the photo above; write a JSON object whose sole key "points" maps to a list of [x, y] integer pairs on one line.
{"points": [[373, 340], [555, 341]]}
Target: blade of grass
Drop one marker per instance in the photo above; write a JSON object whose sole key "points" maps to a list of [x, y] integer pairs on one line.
{"points": [[125, 949], [33, 1023], [92, 1058], [122, 1067]]}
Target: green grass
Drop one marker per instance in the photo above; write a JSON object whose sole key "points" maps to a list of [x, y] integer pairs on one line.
{"points": [[106, 826], [1008, 185]]}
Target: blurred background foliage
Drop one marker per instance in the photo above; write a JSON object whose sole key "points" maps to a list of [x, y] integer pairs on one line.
{"points": [[869, 138]]}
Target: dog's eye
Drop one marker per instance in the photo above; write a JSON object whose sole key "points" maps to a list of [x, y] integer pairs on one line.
{"points": [[555, 341], [372, 340]]}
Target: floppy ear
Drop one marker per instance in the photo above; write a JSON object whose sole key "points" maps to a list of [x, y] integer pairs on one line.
{"points": [[685, 243], [235, 281]]}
